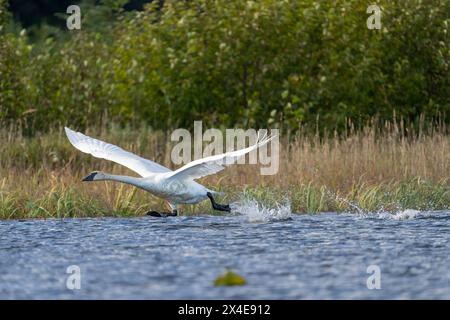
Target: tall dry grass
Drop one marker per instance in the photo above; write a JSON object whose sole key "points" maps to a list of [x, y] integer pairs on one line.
{"points": [[374, 168]]}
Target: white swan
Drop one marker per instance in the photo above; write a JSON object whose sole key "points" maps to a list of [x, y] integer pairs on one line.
{"points": [[176, 187]]}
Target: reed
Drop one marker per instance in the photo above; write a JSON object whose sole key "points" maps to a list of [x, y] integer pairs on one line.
{"points": [[374, 168]]}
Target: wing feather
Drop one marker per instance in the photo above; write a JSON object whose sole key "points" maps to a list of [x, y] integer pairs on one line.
{"points": [[103, 150], [213, 164]]}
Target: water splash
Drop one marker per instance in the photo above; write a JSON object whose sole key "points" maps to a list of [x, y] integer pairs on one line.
{"points": [[258, 212], [351, 204], [407, 214], [382, 213]]}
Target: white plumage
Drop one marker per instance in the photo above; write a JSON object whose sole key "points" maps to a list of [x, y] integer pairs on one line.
{"points": [[177, 187], [103, 150]]}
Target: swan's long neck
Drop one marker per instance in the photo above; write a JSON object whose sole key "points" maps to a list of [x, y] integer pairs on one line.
{"points": [[137, 182]]}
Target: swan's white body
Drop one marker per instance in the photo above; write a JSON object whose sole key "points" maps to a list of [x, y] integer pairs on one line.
{"points": [[176, 187]]}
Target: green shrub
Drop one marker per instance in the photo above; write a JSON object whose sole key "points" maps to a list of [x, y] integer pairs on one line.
{"points": [[234, 63]]}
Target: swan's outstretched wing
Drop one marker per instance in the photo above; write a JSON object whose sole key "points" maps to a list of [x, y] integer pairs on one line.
{"points": [[100, 149], [213, 164]]}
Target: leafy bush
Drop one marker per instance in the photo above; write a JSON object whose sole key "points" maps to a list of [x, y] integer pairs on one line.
{"points": [[233, 63]]}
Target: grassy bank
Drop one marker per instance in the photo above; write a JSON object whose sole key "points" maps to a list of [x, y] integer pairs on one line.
{"points": [[374, 169]]}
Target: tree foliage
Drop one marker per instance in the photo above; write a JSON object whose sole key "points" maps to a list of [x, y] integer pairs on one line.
{"points": [[232, 63]]}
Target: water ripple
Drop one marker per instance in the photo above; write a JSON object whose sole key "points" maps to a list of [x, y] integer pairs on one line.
{"points": [[309, 256]]}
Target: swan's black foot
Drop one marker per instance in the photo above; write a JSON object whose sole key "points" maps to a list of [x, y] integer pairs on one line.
{"points": [[162, 214], [217, 206], [154, 214], [174, 213]]}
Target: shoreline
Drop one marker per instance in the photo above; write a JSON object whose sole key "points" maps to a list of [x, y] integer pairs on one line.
{"points": [[371, 169], [70, 203]]}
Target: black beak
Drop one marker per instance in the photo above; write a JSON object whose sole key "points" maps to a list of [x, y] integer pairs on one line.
{"points": [[90, 177]]}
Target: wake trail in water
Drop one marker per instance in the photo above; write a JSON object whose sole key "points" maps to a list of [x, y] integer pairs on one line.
{"points": [[258, 212], [398, 214], [407, 214]]}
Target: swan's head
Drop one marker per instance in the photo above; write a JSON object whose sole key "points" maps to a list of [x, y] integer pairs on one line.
{"points": [[93, 176]]}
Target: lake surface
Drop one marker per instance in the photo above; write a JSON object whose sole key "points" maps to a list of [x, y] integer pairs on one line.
{"points": [[282, 256]]}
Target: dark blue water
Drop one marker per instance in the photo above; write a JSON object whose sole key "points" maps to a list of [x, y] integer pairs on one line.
{"points": [[310, 256]]}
